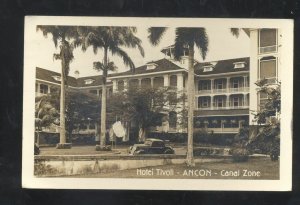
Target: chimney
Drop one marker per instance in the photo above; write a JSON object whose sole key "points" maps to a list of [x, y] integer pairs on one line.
{"points": [[76, 74]]}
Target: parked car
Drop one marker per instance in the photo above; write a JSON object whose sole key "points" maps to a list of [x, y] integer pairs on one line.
{"points": [[151, 146]]}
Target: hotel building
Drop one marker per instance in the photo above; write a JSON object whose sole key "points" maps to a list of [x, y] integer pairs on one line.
{"points": [[266, 61], [221, 90]]}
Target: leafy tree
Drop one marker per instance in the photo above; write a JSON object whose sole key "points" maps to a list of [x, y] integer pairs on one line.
{"points": [[186, 38], [60, 37], [111, 39], [80, 108], [143, 106], [268, 119]]}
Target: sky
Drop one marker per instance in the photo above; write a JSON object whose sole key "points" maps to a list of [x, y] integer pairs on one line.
{"points": [[222, 45]]}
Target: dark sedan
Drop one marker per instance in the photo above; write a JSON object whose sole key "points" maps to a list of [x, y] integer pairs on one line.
{"points": [[151, 146]]}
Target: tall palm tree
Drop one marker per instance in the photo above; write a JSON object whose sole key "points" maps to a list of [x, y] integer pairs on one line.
{"points": [[186, 38], [60, 37], [112, 39]]}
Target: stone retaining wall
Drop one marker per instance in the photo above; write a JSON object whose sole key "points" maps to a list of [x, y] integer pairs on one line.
{"points": [[58, 165]]}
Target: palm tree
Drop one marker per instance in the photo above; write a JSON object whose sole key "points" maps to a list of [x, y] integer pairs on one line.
{"points": [[186, 38], [108, 39], [60, 35]]}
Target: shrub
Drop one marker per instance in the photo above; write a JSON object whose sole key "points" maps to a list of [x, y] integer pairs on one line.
{"points": [[240, 154]]}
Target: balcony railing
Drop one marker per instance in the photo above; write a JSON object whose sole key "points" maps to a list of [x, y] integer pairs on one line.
{"points": [[222, 130], [224, 108], [229, 90]]}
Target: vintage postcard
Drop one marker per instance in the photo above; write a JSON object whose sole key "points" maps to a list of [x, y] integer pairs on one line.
{"points": [[157, 103]]}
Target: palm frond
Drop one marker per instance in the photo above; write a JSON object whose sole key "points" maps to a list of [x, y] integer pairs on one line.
{"points": [[111, 66], [201, 41], [126, 59], [235, 32], [180, 42], [98, 66], [155, 34]]}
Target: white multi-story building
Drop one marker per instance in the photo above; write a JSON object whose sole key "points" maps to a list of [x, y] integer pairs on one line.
{"points": [[221, 90], [265, 61]]}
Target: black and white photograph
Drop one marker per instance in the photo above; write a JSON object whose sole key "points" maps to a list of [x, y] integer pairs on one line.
{"points": [[157, 103]]}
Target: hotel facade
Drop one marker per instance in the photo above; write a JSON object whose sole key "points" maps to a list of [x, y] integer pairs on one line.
{"points": [[225, 91], [221, 91]]}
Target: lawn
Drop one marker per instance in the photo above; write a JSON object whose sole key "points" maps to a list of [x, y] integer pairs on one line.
{"points": [[255, 168]]}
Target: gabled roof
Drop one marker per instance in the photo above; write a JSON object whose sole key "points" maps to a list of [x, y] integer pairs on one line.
{"points": [[222, 66], [162, 65], [47, 75]]}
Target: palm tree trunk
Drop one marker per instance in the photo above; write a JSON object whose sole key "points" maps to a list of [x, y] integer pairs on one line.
{"points": [[103, 104], [62, 134], [191, 101]]}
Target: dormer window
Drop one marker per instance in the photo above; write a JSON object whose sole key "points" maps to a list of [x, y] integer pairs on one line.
{"points": [[151, 66], [207, 68], [239, 65], [88, 81], [56, 77]]}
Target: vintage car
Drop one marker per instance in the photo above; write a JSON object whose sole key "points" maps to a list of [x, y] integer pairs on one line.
{"points": [[151, 146]]}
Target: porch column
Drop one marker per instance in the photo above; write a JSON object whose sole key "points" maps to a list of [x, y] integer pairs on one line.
{"points": [[38, 88], [227, 84], [245, 82], [227, 101], [180, 81], [125, 84], [115, 86], [245, 99], [140, 82], [212, 102], [166, 80], [212, 85], [151, 82]]}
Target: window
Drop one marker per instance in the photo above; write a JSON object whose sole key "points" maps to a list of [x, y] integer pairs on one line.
{"points": [[204, 102], [43, 89], [235, 83], [93, 92], [88, 81], [92, 126], [172, 119], [203, 85], [267, 40], [219, 85], [57, 78], [263, 98], [207, 68], [82, 127], [268, 70], [151, 66], [235, 102], [219, 102], [239, 65], [173, 81], [120, 85]]}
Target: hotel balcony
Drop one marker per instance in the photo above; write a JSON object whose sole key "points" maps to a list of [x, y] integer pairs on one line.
{"points": [[225, 90], [225, 108]]}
